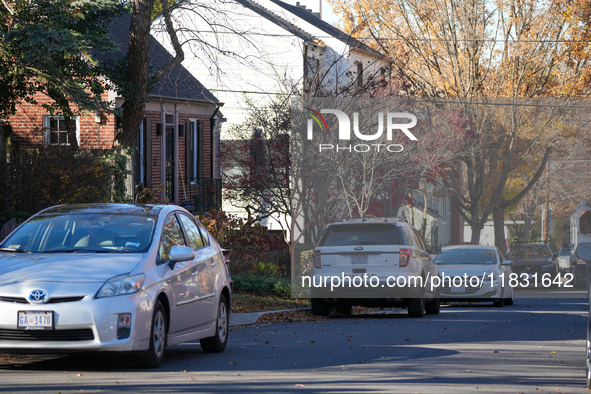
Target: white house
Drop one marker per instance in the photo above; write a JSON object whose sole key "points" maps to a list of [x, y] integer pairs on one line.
{"points": [[242, 48], [266, 49]]}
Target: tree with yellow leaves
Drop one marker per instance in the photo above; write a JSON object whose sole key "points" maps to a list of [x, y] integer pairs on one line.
{"points": [[477, 52]]}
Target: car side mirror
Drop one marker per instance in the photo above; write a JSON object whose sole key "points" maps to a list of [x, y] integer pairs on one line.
{"points": [[555, 255], [180, 253]]}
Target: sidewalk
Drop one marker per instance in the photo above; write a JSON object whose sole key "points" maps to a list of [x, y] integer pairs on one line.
{"points": [[242, 319]]}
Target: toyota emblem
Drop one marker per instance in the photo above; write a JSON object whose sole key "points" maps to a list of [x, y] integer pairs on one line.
{"points": [[38, 296]]}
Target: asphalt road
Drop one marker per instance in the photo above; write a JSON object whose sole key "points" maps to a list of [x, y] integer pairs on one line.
{"points": [[536, 345]]}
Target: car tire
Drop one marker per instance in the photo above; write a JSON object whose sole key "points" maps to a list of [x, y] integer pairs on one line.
{"points": [[319, 307], [153, 357], [498, 303], [416, 307], [508, 301], [344, 309], [217, 343], [433, 306], [578, 281]]}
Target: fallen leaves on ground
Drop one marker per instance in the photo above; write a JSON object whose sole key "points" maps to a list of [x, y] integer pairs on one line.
{"points": [[305, 316], [246, 303], [289, 317], [14, 358]]}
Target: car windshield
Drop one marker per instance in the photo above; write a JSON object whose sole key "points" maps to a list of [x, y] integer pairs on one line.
{"points": [[83, 232], [529, 251], [361, 234], [465, 256]]}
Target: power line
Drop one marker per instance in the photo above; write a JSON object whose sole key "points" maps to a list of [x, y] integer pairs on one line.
{"points": [[403, 39]]}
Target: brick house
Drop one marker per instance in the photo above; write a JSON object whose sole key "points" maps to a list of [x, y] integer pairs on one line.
{"points": [[178, 141]]}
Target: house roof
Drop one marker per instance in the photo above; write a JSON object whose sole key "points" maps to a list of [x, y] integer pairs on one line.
{"points": [[178, 84], [326, 27], [276, 19]]}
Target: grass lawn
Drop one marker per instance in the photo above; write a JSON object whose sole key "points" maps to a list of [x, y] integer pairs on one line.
{"points": [[244, 303]]}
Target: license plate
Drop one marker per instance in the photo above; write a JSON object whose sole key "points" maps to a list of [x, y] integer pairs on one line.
{"points": [[358, 259], [35, 320], [458, 289]]}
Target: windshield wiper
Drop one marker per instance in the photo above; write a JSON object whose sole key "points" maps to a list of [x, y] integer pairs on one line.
{"points": [[65, 251], [14, 250], [85, 251]]}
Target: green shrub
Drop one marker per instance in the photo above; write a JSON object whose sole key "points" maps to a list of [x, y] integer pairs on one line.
{"points": [[39, 178], [261, 284]]}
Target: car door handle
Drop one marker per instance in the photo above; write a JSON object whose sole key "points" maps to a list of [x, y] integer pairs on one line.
{"points": [[212, 263]]}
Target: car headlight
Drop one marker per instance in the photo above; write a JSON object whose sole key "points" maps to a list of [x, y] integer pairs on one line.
{"points": [[121, 285]]}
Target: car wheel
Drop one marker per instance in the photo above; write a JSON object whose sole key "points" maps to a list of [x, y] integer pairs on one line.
{"points": [[434, 306], [578, 281], [319, 307], [344, 309], [416, 307], [498, 303], [155, 354], [508, 301], [217, 343]]}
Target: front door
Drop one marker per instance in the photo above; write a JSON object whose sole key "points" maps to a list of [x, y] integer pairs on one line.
{"points": [[170, 168]]}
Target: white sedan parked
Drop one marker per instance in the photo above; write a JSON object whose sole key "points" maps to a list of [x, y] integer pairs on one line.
{"points": [[474, 273], [112, 277]]}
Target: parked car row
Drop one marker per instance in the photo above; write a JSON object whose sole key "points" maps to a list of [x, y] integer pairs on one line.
{"points": [[390, 253]]}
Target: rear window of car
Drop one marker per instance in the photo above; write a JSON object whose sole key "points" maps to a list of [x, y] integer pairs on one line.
{"points": [[526, 251], [361, 234], [564, 252], [466, 256]]}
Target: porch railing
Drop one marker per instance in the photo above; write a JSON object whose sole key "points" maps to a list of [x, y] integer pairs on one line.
{"points": [[205, 194]]}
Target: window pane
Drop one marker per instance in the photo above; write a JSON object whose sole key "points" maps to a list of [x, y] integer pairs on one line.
{"points": [[194, 238], [52, 124], [171, 236], [361, 234], [53, 138], [62, 124], [63, 137], [204, 233]]}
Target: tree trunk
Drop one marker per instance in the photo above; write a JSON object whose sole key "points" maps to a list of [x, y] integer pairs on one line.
{"points": [[499, 226], [137, 70]]}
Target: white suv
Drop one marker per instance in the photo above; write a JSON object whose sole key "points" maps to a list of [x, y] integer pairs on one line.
{"points": [[373, 262]]}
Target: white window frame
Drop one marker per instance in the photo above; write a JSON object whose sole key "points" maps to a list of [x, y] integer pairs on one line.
{"points": [[46, 120]]}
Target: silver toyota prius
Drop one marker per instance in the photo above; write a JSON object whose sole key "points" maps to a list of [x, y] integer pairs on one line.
{"points": [[112, 277]]}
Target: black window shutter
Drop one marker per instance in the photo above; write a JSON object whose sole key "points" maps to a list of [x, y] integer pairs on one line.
{"points": [[200, 144], [148, 156], [188, 152]]}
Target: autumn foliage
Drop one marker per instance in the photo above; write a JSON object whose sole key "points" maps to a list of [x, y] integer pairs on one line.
{"points": [[246, 239]]}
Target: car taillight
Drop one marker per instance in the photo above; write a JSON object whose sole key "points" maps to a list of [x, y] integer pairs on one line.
{"points": [[580, 260], [404, 257], [316, 259]]}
